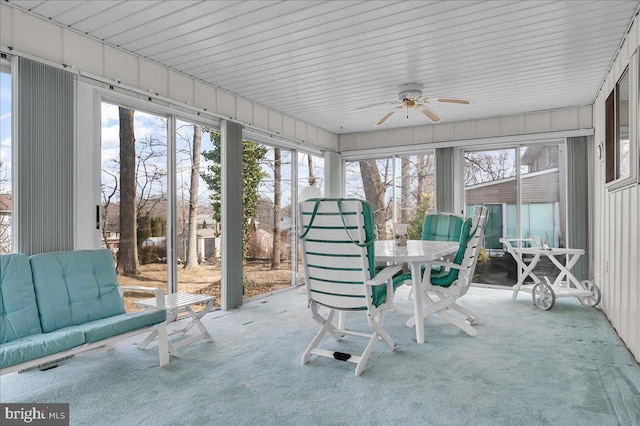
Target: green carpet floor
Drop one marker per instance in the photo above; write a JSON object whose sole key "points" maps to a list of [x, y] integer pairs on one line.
{"points": [[565, 366]]}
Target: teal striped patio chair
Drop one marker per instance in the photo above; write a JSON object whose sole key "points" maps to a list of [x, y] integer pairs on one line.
{"points": [[442, 227], [337, 240], [437, 227], [454, 279]]}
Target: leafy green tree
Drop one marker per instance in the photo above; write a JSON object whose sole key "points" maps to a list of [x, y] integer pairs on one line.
{"points": [[252, 155], [143, 229], [415, 225], [158, 226]]}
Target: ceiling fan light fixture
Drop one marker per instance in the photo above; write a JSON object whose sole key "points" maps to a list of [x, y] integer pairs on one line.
{"points": [[409, 91]]}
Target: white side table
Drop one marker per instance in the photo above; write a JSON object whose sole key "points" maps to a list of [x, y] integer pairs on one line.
{"points": [[176, 303]]}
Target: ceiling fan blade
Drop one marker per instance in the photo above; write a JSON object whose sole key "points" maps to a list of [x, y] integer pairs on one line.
{"points": [[455, 101], [432, 115], [383, 119], [374, 105]]}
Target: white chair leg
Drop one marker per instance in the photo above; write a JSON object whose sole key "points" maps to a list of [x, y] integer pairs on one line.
{"points": [[365, 355], [326, 326], [461, 324], [440, 308], [321, 320], [468, 314], [431, 309], [342, 320], [163, 344], [382, 333], [435, 307]]}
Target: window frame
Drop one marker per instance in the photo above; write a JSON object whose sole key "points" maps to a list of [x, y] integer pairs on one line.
{"points": [[613, 181], [6, 67], [395, 159]]}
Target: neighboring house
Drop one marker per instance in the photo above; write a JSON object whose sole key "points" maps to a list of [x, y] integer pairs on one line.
{"points": [[154, 242], [260, 245], [5, 223], [112, 237], [208, 244], [208, 240], [543, 200]]}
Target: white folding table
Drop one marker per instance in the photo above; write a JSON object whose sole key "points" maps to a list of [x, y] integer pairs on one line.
{"points": [[175, 303]]}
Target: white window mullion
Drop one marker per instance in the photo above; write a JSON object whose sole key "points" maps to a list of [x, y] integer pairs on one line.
{"points": [[172, 274]]}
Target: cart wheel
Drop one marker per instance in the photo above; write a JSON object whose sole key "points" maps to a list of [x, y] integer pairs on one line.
{"points": [[543, 296], [592, 300]]}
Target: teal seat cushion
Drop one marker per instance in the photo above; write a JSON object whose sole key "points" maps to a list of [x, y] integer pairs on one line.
{"points": [[436, 227], [441, 227], [379, 292], [18, 308], [37, 346], [400, 279], [75, 287], [107, 327], [445, 278]]}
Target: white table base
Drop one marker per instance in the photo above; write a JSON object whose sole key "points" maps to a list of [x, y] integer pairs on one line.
{"points": [[176, 303]]}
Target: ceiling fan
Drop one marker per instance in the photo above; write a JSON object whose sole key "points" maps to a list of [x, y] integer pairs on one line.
{"points": [[410, 97]]}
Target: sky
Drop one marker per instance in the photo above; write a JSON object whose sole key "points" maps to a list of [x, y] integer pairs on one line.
{"points": [[5, 132]]}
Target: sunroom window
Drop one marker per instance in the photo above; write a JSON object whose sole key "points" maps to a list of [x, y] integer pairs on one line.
{"points": [[618, 137]]}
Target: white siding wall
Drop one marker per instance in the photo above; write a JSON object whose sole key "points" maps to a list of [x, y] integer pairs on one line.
{"points": [[616, 246], [512, 128], [46, 40]]}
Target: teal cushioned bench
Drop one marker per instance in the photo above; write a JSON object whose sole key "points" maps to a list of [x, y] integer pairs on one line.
{"points": [[38, 346], [18, 310], [106, 327], [63, 303]]}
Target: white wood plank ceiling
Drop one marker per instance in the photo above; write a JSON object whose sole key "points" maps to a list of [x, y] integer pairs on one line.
{"points": [[321, 61]]}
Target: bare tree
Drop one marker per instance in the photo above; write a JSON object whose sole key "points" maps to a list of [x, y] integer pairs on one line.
{"points": [[374, 190], [128, 247], [487, 166], [405, 190], [149, 175], [107, 196], [277, 195], [192, 236], [424, 165], [5, 234], [312, 177], [5, 210], [4, 175]]}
